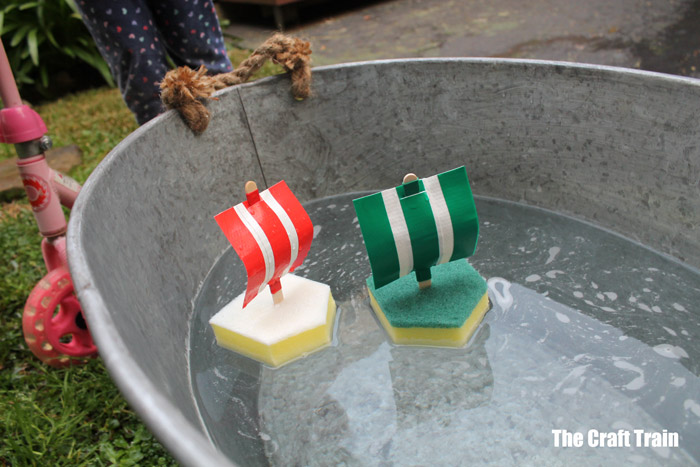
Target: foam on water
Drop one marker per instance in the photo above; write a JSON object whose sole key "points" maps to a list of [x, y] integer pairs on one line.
{"points": [[577, 339]]}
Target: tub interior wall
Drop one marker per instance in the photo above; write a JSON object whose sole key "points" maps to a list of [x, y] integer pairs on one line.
{"points": [[611, 148], [607, 147]]}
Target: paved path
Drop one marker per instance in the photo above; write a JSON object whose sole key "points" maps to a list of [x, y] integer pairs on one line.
{"points": [[657, 35]]}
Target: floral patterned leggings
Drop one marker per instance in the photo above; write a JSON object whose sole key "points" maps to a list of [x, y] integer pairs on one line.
{"points": [[136, 36]]}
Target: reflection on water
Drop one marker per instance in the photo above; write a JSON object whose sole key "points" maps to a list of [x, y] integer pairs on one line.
{"points": [[588, 331]]}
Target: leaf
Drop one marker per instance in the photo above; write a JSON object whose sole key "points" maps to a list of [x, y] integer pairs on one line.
{"points": [[110, 453], [73, 7], [2, 21], [134, 456], [20, 35], [95, 60], [51, 38], [83, 55], [10, 28], [103, 68], [40, 13], [28, 5], [23, 78], [9, 8], [26, 66], [33, 46], [68, 51]]}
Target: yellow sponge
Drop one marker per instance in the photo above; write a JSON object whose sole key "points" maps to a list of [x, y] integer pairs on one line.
{"points": [[445, 315], [277, 334]]}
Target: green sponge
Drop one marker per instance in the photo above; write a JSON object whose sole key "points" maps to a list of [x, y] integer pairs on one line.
{"points": [[445, 314]]}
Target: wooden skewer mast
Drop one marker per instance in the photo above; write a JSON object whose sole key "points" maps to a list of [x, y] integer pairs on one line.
{"points": [[408, 179], [253, 196]]}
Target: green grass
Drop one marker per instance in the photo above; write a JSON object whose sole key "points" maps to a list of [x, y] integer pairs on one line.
{"points": [[70, 416]]}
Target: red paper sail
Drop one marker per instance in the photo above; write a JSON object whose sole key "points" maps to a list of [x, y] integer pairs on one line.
{"points": [[271, 232]]}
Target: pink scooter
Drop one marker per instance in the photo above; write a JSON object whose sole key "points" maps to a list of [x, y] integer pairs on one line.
{"points": [[53, 323]]}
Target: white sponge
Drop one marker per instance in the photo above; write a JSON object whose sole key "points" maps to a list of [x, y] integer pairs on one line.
{"points": [[277, 334]]}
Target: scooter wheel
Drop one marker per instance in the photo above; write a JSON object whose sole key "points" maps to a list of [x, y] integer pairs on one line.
{"points": [[53, 324]]}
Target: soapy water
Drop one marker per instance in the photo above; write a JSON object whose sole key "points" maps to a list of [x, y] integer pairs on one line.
{"points": [[588, 330]]}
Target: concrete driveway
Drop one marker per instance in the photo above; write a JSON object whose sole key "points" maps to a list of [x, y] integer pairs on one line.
{"points": [[656, 35]]}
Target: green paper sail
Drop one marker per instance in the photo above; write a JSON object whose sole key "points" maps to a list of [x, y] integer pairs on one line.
{"points": [[418, 225]]}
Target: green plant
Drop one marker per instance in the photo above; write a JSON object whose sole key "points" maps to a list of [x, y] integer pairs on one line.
{"points": [[44, 36]]}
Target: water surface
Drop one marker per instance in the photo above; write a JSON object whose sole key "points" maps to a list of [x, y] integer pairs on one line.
{"points": [[588, 330]]}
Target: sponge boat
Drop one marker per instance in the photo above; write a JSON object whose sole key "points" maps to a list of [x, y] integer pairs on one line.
{"points": [[272, 234], [418, 236]]}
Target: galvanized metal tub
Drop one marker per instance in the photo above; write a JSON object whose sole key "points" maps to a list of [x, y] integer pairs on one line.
{"points": [[612, 146]]}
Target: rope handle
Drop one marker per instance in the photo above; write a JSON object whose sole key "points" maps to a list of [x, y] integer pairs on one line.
{"points": [[185, 89]]}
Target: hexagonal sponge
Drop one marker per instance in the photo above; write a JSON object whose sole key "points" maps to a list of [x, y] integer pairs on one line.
{"points": [[277, 334], [444, 315]]}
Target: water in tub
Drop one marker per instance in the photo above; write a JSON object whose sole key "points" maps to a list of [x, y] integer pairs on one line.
{"points": [[591, 336]]}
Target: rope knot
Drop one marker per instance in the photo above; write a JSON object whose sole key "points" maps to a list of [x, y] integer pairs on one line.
{"points": [[185, 89], [296, 54]]}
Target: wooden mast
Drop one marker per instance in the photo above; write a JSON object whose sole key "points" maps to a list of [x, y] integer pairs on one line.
{"points": [[253, 196], [408, 179]]}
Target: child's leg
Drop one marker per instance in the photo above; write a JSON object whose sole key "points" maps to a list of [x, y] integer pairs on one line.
{"points": [[128, 40], [192, 33]]}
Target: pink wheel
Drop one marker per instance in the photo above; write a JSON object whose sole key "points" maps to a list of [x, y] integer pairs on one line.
{"points": [[53, 323]]}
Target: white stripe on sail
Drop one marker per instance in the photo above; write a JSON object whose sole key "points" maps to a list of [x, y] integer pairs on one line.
{"points": [[442, 217], [261, 239], [286, 222], [399, 229]]}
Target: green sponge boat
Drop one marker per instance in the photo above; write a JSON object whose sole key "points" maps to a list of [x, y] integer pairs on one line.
{"points": [[418, 236]]}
